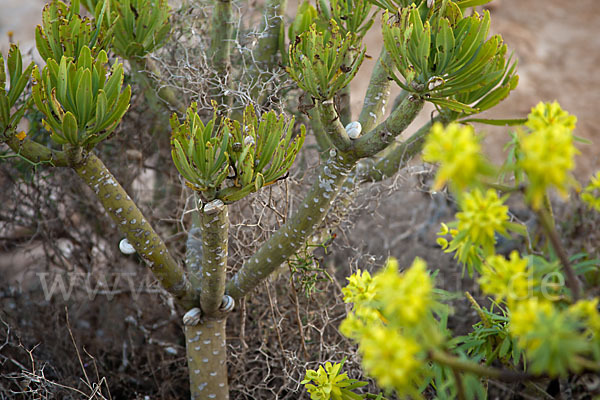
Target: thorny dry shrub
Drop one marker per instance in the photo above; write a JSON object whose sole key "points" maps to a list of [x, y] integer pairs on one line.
{"points": [[184, 65], [135, 344]]}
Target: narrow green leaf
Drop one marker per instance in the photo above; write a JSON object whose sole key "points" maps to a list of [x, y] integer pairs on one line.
{"points": [[4, 109], [84, 98], [471, 3], [113, 85], [61, 84], [452, 105], [101, 107], [181, 162], [69, 128], [259, 181], [496, 122], [119, 109]]}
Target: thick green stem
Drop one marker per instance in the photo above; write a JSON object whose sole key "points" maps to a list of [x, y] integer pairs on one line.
{"points": [[320, 135], [291, 236], [207, 356], [345, 106], [333, 126], [135, 227], [214, 222], [35, 152], [193, 257], [394, 157], [384, 134], [377, 95], [221, 36]]}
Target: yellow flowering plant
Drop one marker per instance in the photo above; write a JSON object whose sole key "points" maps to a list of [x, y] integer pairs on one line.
{"points": [[591, 193], [458, 151], [393, 321], [328, 383], [483, 217], [543, 319]]}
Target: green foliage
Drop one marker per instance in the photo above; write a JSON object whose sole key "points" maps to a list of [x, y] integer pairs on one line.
{"points": [[261, 151], [306, 270], [64, 32], [306, 15], [490, 339], [142, 26], [447, 58], [18, 78], [324, 62], [258, 152], [350, 15], [394, 5], [90, 5], [81, 100], [199, 151]]}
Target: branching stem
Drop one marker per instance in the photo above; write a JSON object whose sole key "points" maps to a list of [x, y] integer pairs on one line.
{"points": [[571, 278], [214, 223], [136, 228], [461, 365]]}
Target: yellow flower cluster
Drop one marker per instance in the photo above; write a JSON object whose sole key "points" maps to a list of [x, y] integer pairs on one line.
{"points": [[525, 315], [360, 288], [457, 150], [394, 360], [587, 310], [393, 324], [506, 279], [553, 338], [404, 298], [466, 253], [482, 216], [591, 193], [544, 115], [548, 152]]}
